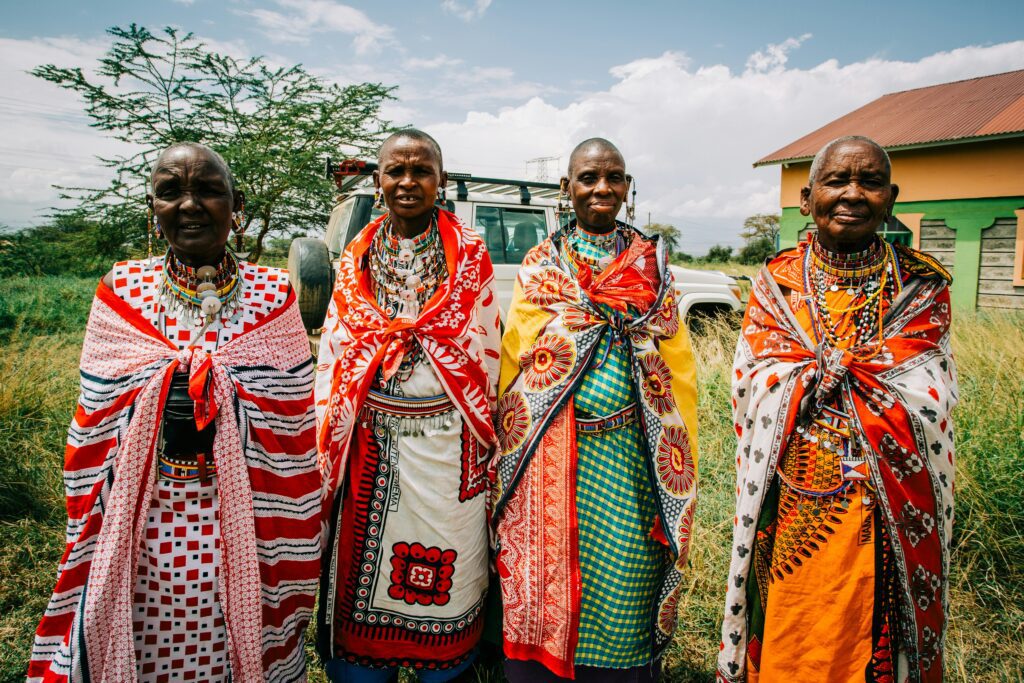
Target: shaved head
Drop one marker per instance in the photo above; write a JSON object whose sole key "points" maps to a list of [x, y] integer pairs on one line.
{"points": [[412, 134], [823, 154], [216, 158], [599, 144]]}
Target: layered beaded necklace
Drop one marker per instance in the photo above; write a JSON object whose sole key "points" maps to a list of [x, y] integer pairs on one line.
{"points": [[406, 271], [611, 244], [869, 277], [197, 295]]}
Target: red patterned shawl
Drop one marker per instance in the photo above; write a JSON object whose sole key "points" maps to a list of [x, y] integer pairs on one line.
{"points": [[457, 330], [900, 402], [268, 485]]}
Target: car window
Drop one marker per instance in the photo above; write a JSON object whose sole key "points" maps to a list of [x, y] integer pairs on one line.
{"points": [[510, 232], [337, 228], [363, 213]]}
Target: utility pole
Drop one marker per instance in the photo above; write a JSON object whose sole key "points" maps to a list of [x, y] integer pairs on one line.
{"points": [[544, 169]]}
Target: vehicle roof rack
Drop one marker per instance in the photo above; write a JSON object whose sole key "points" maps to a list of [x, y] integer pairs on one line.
{"points": [[350, 172]]}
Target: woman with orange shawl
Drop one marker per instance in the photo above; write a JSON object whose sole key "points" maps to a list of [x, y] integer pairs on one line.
{"points": [[842, 395], [405, 387], [597, 426]]}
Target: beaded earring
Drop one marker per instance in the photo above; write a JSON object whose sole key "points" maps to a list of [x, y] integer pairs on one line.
{"points": [[442, 196], [237, 225], [378, 199], [149, 232]]}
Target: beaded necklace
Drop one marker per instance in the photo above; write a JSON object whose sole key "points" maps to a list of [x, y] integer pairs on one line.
{"points": [[611, 243], [182, 289], [869, 277], [406, 271]]}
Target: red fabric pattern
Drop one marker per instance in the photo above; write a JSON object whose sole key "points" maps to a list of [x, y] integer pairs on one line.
{"points": [[443, 331], [624, 282], [542, 611], [273, 551]]}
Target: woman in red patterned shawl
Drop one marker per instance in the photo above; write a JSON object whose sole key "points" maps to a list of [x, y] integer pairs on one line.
{"points": [[193, 536], [842, 392], [405, 388]]}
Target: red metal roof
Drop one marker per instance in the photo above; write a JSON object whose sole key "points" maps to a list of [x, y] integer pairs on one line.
{"points": [[978, 107]]}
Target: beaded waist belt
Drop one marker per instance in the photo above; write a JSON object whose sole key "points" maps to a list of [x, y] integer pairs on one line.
{"points": [[596, 425], [426, 416], [202, 468], [407, 407]]}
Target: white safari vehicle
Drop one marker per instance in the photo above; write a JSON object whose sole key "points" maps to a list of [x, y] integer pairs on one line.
{"points": [[512, 216]]}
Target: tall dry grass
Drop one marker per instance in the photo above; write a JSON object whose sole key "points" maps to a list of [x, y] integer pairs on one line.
{"points": [[986, 635]]}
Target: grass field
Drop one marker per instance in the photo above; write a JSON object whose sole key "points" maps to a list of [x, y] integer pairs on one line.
{"points": [[41, 322]]}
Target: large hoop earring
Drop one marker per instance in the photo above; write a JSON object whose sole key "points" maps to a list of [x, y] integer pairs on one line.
{"points": [[631, 205], [563, 206]]}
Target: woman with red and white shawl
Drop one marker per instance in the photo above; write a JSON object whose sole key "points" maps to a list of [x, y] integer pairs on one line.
{"points": [[405, 388], [842, 396], [193, 493]]}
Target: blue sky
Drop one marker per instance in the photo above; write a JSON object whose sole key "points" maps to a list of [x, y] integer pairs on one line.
{"points": [[692, 92]]}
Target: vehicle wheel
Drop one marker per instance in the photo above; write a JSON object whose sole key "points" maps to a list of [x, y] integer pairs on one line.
{"points": [[309, 267]]}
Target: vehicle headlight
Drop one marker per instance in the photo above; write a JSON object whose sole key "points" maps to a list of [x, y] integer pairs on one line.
{"points": [[736, 291]]}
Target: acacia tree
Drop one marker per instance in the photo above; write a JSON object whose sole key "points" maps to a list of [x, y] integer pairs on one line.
{"points": [[669, 234], [273, 125], [761, 225]]}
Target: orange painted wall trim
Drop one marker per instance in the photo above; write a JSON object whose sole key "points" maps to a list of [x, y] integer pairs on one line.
{"points": [[1018, 248], [966, 171], [913, 223]]}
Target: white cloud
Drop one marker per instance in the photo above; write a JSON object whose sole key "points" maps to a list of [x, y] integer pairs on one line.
{"points": [[419, 63], [774, 57], [301, 18], [691, 133], [47, 140], [436, 87], [473, 10], [185, 2]]}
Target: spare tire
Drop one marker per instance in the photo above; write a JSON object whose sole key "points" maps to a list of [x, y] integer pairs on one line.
{"points": [[309, 268]]}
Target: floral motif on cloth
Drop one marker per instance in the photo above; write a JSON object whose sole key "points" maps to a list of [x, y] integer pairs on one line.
{"points": [[405, 426], [535, 490], [256, 385], [421, 575], [899, 403]]}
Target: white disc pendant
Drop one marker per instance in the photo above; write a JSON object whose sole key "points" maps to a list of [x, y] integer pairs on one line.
{"points": [[211, 305]]}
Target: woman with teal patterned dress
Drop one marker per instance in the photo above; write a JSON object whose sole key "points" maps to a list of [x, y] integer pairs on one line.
{"points": [[597, 423]]}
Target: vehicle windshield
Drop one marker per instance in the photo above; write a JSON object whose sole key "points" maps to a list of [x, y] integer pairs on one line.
{"points": [[349, 218], [510, 232]]}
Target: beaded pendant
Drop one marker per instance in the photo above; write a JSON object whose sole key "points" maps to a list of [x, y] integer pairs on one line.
{"points": [[198, 296]]}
